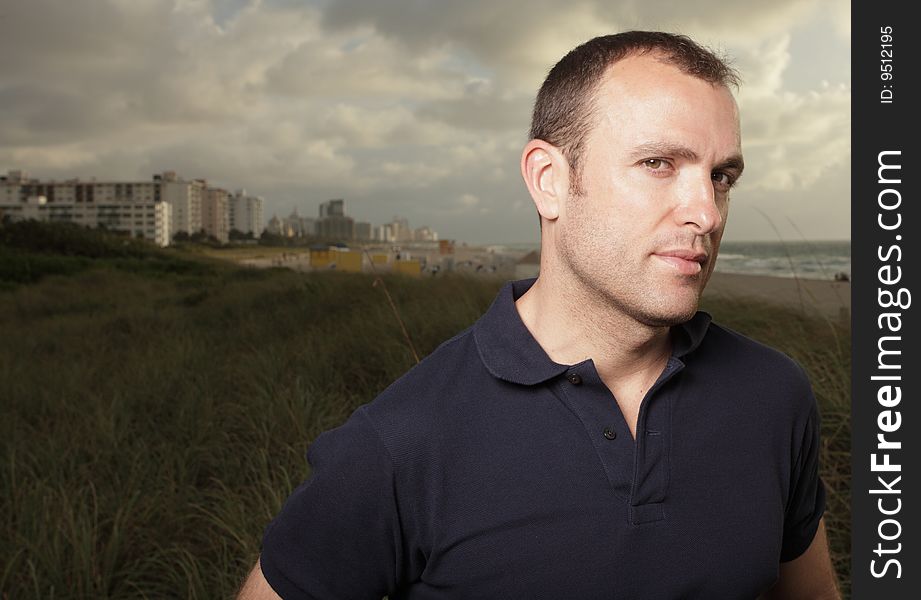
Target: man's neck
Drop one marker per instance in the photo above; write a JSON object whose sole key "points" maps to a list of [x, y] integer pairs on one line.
{"points": [[572, 325]]}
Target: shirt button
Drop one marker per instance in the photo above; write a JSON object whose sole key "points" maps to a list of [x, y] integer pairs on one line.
{"points": [[609, 433], [574, 378]]}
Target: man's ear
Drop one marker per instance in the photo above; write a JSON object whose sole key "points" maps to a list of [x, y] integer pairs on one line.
{"points": [[546, 173]]}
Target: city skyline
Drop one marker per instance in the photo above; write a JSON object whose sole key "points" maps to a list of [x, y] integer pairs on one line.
{"points": [[170, 207], [401, 108]]}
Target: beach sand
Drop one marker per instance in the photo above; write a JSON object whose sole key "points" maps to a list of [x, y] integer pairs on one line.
{"points": [[827, 298], [831, 299]]}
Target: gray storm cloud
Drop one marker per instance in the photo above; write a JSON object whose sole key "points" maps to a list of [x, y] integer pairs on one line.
{"points": [[400, 107]]}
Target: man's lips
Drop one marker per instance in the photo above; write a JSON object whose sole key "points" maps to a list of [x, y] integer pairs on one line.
{"points": [[686, 262]]}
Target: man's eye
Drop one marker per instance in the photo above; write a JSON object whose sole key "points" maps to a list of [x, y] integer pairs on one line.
{"points": [[655, 164], [722, 179]]}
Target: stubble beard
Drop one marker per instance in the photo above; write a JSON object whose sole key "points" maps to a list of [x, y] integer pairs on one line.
{"points": [[601, 285]]}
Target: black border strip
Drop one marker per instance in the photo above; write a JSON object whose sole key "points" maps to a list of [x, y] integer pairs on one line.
{"points": [[885, 225]]}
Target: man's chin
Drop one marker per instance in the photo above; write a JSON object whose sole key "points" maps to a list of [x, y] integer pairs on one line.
{"points": [[668, 320], [669, 315]]}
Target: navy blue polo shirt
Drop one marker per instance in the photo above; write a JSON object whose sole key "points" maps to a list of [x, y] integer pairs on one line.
{"points": [[490, 471]]}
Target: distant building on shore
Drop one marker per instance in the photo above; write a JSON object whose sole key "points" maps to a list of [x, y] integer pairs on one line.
{"points": [[215, 219], [425, 234], [245, 213], [333, 223], [185, 198], [398, 230], [275, 226], [362, 231], [156, 210], [137, 208], [294, 225]]}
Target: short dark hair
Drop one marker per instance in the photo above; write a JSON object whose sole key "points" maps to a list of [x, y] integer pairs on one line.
{"points": [[564, 109]]}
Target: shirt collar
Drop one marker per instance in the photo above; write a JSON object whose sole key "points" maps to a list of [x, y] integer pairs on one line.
{"points": [[510, 352]]}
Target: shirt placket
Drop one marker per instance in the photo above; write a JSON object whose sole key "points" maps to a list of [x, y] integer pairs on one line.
{"points": [[651, 458], [637, 470]]}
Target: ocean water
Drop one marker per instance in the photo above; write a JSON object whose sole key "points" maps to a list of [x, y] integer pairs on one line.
{"points": [[807, 260]]}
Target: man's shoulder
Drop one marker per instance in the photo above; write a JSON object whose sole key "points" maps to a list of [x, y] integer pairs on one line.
{"points": [[440, 368], [739, 348], [429, 393], [755, 364]]}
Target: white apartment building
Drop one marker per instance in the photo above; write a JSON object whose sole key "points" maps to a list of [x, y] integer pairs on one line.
{"points": [[185, 196], [136, 208], [425, 234], [384, 233], [398, 230], [245, 213], [214, 216]]}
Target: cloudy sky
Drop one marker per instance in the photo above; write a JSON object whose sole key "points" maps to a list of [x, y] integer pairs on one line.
{"points": [[417, 108]]}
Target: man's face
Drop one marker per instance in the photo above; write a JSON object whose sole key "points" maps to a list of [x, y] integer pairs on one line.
{"points": [[644, 231]]}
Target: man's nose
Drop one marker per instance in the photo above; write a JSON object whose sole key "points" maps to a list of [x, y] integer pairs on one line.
{"points": [[697, 206]]}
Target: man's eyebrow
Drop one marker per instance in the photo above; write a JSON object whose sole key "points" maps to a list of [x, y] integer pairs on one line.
{"points": [[734, 163], [666, 149]]}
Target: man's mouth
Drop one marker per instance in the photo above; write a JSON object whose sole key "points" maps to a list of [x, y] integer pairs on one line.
{"points": [[686, 262]]}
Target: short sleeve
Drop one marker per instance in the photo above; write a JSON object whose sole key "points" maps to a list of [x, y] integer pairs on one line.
{"points": [[807, 493], [337, 535]]}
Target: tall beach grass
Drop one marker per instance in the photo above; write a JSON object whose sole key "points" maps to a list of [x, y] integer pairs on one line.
{"points": [[153, 419]]}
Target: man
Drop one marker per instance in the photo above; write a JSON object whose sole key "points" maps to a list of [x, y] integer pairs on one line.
{"points": [[592, 435]]}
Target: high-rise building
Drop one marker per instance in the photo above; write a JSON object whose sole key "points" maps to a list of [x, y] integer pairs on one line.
{"points": [[362, 231], [137, 208], [214, 214], [333, 224], [425, 234], [384, 233], [398, 230], [275, 226], [336, 227], [245, 213], [185, 197], [332, 208], [401, 230], [294, 225]]}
